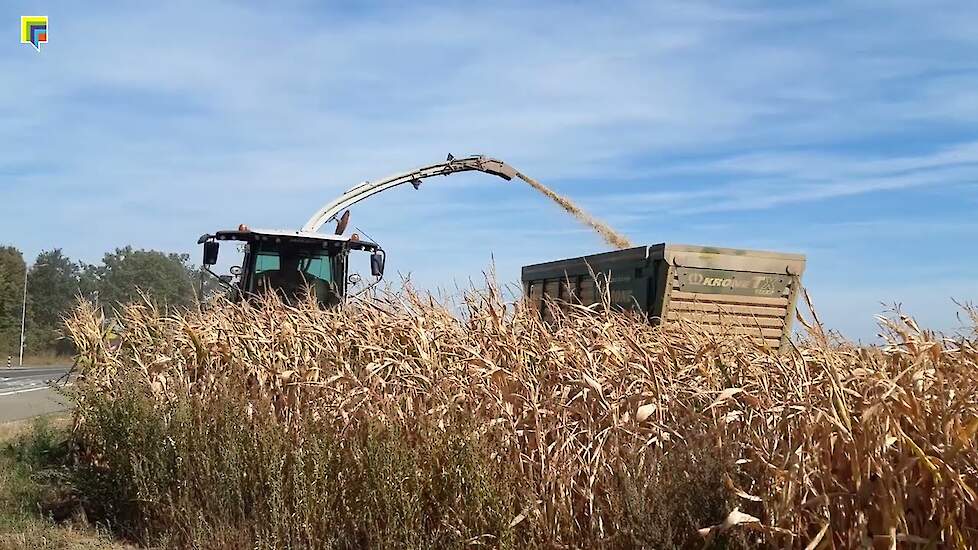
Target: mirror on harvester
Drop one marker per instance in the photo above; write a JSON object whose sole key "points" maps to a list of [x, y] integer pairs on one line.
{"points": [[377, 264], [210, 252], [353, 279]]}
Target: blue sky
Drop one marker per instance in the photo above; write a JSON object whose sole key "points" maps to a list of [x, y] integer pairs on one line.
{"points": [[844, 131]]}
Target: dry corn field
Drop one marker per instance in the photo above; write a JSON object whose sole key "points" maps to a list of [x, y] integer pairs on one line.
{"points": [[401, 422]]}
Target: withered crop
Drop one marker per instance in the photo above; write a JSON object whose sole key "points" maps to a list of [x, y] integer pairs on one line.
{"points": [[402, 422]]}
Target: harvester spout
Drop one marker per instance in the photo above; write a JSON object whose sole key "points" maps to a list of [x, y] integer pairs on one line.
{"points": [[366, 189]]}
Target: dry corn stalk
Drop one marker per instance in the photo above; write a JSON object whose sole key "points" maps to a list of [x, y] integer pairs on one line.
{"points": [[833, 443]]}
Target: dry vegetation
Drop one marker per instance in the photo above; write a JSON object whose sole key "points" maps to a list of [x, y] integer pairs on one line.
{"points": [[399, 423], [37, 507]]}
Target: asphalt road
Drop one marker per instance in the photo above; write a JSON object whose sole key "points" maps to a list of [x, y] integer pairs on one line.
{"points": [[24, 392]]}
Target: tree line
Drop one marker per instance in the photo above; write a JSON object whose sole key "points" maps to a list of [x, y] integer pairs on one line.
{"points": [[55, 282]]}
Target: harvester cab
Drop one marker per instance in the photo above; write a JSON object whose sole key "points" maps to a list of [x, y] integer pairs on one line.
{"points": [[291, 263]]}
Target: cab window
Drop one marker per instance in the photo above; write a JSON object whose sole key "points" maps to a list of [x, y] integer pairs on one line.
{"points": [[320, 267], [289, 268], [266, 261]]}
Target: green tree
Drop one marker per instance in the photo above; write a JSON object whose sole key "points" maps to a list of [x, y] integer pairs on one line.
{"points": [[166, 279], [53, 289], [12, 269], [88, 280]]}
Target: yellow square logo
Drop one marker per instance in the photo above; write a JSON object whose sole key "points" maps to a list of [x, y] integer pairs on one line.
{"points": [[34, 30]]}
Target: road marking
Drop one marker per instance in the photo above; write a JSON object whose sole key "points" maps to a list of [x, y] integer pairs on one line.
{"points": [[22, 391]]}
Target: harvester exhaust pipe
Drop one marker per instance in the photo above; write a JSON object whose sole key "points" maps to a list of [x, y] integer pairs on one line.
{"points": [[342, 223]]}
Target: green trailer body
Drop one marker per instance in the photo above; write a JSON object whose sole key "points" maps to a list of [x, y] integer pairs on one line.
{"points": [[753, 292]]}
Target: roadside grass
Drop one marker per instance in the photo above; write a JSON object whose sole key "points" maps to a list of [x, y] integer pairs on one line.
{"points": [[47, 359], [43, 359], [38, 506]]}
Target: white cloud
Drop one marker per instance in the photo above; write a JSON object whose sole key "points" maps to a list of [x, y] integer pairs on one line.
{"points": [[756, 181]]}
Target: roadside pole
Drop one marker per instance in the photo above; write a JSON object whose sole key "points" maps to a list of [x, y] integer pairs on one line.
{"points": [[23, 318], [23, 313]]}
